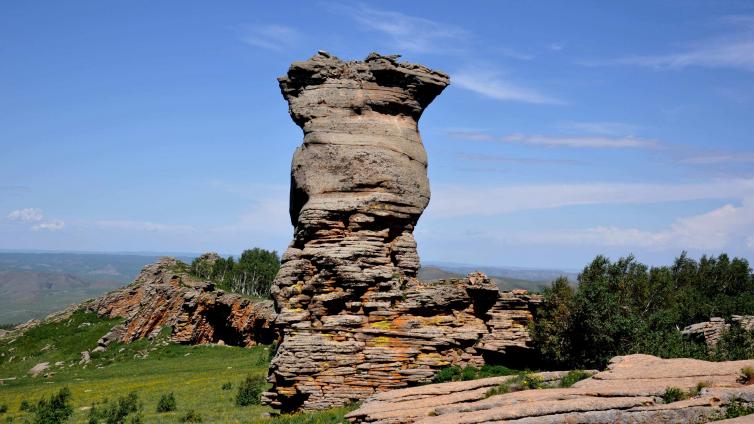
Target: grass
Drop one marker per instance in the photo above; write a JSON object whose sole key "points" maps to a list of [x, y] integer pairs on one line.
{"points": [[456, 373], [574, 377], [674, 394], [195, 375], [746, 376], [523, 381]]}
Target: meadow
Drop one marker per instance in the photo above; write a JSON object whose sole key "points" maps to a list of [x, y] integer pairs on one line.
{"points": [[203, 379]]}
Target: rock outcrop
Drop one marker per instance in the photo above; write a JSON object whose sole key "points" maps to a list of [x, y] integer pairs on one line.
{"points": [[711, 331], [354, 319], [164, 294], [630, 391]]}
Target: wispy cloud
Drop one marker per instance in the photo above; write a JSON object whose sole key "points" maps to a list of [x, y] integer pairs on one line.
{"points": [[592, 142], [718, 158], [52, 225], [26, 215], [734, 50], [604, 128], [454, 201], [271, 37], [35, 217], [515, 160], [492, 85], [404, 32], [142, 226]]}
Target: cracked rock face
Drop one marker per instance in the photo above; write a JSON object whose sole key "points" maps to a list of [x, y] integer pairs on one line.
{"points": [[353, 318]]}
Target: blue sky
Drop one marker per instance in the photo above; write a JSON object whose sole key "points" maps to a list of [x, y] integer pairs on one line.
{"points": [[570, 129]]}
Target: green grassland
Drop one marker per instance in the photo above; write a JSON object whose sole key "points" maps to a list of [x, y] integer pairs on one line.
{"points": [[195, 374]]}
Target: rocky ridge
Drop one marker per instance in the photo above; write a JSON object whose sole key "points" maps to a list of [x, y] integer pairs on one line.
{"points": [[630, 391], [164, 294], [711, 331]]}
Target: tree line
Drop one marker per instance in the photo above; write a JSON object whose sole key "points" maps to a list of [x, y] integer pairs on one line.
{"points": [[251, 274], [626, 307]]}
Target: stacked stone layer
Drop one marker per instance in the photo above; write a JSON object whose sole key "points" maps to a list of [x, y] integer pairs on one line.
{"points": [[164, 295], [353, 318], [630, 391]]}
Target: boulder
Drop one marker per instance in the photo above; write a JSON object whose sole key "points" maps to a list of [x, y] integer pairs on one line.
{"points": [[39, 368]]}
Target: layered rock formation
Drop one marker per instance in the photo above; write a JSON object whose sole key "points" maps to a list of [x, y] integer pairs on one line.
{"points": [[164, 294], [354, 319], [711, 331], [630, 391]]}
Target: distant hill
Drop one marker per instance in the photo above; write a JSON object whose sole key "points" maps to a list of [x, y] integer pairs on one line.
{"points": [[33, 285]]}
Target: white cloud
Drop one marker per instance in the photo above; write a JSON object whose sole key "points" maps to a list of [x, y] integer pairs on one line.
{"points": [[604, 128], [490, 84], [717, 158], [592, 142], [26, 215], [734, 50], [715, 230], [271, 37], [142, 226], [52, 225], [455, 201], [405, 33]]}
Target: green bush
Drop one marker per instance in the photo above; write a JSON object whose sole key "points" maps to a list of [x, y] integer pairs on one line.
{"points": [[738, 408], [227, 385], [523, 381], [124, 410], [250, 391], [55, 409], [747, 375], [456, 373], [3, 409], [166, 403], [626, 307], [25, 406], [191, 416], [573, 377], [673, 394]]}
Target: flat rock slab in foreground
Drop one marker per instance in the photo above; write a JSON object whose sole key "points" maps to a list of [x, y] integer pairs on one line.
{"points": [[630, 391]]}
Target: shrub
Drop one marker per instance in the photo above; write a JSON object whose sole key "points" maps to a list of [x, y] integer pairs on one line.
{"points": [[699, 386], [447, 374], [520, 382], [166, 403], [3, 409], [55, 409], [738, 408], [249, 392], [125, 409], [573, 377], [25, 406], [227, 385], [747, 375], [456, 373], [191, 417], [673, 394]]}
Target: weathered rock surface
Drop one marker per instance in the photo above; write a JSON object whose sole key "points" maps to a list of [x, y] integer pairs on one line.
{"points": [[628, 392], [711, 331], [164, 295], [353, 317]]}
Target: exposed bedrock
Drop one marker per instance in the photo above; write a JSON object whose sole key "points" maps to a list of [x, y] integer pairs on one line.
{"points": [[353, 318]]}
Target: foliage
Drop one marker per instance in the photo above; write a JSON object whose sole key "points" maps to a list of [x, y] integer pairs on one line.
{"points": [[524, 381], [251, 274], [3, 408], [574, 377], [166, 403], [55, 409], [25, 406], [738, 408], [673, 394], [456, 373], [227, 385], [250, 391], [626, 307], [747, 375], [126, 409], [191, 416]]}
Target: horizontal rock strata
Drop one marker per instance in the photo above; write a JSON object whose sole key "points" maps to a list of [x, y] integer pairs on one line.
{"points": [[711, 331], [630, 391], [353, 317], [165, 295]]}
